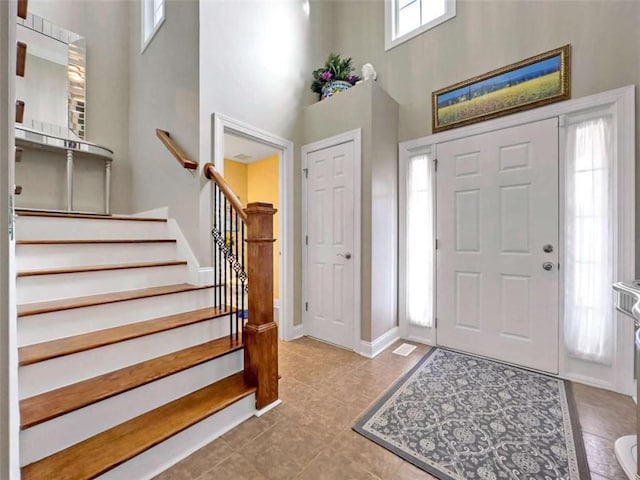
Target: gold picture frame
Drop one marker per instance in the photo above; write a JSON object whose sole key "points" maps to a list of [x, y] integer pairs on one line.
{"points": [[530, 83]]}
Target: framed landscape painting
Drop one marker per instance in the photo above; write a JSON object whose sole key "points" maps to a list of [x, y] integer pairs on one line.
{"points": [[536, 81]]}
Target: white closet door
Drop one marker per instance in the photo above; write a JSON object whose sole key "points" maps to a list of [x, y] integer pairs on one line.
{"points": [[330, 227]]}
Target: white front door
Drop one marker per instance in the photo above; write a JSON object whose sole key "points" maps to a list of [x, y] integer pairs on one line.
{"points": [[330, 273], [497, 256]]}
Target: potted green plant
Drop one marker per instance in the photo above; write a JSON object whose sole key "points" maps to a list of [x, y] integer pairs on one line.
{"points": [[334, 77]]}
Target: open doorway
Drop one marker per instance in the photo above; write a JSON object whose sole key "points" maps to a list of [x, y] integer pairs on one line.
{"points": [[252, 171], [258, 166]]}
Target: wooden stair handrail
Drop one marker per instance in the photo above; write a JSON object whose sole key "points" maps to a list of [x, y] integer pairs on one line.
{"points": [[212, 174], [168, 142]]}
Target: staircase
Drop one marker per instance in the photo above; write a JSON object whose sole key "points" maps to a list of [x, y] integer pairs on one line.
{"points": [[124, 367]]}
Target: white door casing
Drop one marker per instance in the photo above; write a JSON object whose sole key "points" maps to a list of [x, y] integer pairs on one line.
{"points": [[330, 295], [223, 124], [497, 208]]}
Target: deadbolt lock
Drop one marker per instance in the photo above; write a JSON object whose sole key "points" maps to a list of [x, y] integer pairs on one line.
{"points": [[548, 248]]}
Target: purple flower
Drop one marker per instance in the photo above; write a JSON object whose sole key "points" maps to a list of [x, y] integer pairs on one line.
{"points": [[326, 76]]}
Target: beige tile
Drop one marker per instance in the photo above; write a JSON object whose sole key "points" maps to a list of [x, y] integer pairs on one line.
{"points": [[246, 432], [604, 413], [333, 466], [324, 390], [601, 457], [198, 463], [235, 467], [369, 455]]}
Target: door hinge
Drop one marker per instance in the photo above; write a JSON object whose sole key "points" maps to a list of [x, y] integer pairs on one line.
{"points": [[306, 239], [435, 164], [306, 306], [435, 322], [306, 172], [437, 244]]}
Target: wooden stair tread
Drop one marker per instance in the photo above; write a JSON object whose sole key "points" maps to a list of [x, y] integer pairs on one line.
{"points": [[98, 268], [48, 405], [93, 242], [39, 352], [27, 309], [102, 452], [97, 216]]}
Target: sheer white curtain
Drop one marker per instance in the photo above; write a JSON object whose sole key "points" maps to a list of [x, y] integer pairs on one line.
{"points": [[589, 245], [420, 242]]}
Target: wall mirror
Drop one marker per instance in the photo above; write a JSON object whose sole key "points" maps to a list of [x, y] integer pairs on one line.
{"points": [[53, 87]]}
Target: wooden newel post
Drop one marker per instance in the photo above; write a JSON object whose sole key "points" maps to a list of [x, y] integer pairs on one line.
{"points": [[260, 336]]}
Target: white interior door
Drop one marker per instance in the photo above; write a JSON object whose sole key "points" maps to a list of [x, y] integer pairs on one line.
{"points": [[497, 257], [330, 273]]}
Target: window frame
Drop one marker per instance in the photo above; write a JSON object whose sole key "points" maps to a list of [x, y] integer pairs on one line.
{"points": [[148, 23], [391, 23]]}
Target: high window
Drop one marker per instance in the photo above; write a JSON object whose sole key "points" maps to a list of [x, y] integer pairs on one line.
{"points": [[153, 12], [405, 19]]}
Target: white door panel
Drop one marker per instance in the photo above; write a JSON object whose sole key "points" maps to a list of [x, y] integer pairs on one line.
{"points": [[497, 207], [330, 214]]}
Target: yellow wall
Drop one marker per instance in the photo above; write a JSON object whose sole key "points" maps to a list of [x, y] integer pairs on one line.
{"points": [[262, 186], [258, 182], [235, 173]]}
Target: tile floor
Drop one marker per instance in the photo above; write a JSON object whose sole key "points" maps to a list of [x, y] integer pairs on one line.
{"points": [[324, 390]]}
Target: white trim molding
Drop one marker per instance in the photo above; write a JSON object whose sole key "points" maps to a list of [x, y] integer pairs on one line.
{"points": [[354, 136], [410, 332], [223, 124], [620, 104], [9, 402], [268, 408], [380, 344]]}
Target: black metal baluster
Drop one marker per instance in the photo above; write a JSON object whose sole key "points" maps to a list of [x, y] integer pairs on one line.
{"points": [[237, 277], [215, 246], [231, 271], [244, 279], [220, 288]]}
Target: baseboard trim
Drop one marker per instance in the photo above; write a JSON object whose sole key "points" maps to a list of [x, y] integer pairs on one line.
{"points": [[268, 408], [418, 339], [375, 348], [297, 331], [206, 276]]}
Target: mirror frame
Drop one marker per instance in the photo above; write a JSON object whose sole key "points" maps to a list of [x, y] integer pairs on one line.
{"points": [[76, 69]]}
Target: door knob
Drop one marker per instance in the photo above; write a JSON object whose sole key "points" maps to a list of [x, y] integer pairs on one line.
{"points": [[547, 266], [346, 255], [548, 248]]}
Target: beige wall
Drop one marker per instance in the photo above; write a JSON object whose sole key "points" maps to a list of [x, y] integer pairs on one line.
{"points": [[488, 34], [255, 64], [164, 94], [106, 28], [368, 107]]}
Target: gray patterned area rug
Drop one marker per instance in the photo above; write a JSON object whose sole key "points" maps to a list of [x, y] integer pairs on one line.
{"points": [[460, 417]]}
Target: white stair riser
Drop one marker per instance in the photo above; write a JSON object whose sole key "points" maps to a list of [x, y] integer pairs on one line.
{"points": [[65, 323], [61, 228], [157, 459], [32, 257], [59, 433], [55, 373], [40, 288]]}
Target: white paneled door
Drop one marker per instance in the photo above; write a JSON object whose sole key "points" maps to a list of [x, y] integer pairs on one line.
{"points": [[497, 256], [330, 229]]}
